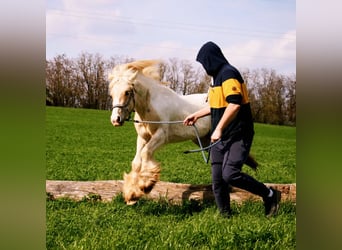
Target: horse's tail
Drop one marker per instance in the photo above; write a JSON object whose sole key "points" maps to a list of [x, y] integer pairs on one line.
{"points": [[251, 162]]}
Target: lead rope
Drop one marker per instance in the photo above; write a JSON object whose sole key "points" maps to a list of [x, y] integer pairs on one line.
{"points": [[203, 149], [206, 159]]}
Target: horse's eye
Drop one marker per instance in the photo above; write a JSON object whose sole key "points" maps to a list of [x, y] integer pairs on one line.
{"points": [[127, 93]]}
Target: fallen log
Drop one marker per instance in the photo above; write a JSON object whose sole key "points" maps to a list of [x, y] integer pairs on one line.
{"points": [[172, 192]]}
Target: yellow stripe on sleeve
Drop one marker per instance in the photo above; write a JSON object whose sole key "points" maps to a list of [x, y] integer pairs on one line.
{"points": [[231, 87], [234, 87]]}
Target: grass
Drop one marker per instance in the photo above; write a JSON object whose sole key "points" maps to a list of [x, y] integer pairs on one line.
{"points": [[83, 145], [159, 225]]}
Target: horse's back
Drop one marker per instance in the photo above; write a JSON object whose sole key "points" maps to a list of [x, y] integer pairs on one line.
{"points": [[196, 99], [179, 132]]}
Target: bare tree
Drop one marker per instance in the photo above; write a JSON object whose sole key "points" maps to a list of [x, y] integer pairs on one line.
{"points": [[60, 74], [270, 95], [189, 78], [92, 77], [251, 79], [83, 82], [183, 78], [290, 100], [204, 81], [171, 76]]}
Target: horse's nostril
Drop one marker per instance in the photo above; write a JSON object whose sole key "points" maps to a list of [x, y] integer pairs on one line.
{"points": [[118, 119]]}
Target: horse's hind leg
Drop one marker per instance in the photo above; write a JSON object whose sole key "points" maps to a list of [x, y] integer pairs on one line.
{"points": [[251, 162]]}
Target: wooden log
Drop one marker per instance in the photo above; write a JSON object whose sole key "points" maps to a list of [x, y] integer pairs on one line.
{"points": [[172, 192]]}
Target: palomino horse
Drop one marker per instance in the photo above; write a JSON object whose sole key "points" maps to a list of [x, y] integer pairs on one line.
{"points": [[136, 87]]}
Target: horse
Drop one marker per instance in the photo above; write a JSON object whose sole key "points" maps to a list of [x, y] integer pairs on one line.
{"points": [[137, 86]]}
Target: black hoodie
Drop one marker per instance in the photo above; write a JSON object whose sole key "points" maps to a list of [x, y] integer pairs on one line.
{"points": [[228, 87]]}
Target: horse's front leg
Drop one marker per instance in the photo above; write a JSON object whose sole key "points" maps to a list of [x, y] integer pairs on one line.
{"points": [[133, 185], [147, 152], [150, 168], [145, 170], [136, 163]]}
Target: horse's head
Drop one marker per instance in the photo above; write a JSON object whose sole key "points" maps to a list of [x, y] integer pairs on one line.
{"points": [[121, 89]]}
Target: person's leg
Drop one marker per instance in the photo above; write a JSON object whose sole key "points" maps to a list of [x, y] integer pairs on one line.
{"points": [[220, 187], [233, 162]]}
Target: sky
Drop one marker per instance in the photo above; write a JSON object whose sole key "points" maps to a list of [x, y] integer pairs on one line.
{"points": [[252, 34]]}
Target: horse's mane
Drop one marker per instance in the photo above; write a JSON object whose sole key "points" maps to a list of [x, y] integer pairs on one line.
{"points": [[150, 68]]}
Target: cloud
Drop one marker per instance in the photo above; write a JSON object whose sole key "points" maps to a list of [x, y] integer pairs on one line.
{"points": [[151, 30], [164, 50], [89, 5], [245, 53], [285, 47], [58, 23], [278, 52]]}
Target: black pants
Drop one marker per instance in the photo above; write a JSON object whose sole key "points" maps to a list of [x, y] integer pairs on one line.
{"points": [[227, 158]]}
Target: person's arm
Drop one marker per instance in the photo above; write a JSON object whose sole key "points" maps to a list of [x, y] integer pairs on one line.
{"points": [[191, 119], [228, 115]]}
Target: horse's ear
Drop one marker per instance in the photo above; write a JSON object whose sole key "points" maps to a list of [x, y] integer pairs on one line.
{"points": [[133, 76]]}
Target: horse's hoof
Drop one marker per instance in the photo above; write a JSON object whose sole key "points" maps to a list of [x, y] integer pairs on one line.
{"points": [[130, 203]]}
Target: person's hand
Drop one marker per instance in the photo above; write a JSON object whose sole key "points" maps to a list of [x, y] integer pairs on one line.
{"points": [[216, 135], [190, 120]]}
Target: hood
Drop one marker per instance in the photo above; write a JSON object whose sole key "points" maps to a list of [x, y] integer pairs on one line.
{"points": [[211, 58]]}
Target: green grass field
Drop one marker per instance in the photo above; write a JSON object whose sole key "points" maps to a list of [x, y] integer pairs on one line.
{"points": [[83, 145]]}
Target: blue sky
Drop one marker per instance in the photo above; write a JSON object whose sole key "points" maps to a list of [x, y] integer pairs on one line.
{"points": [[252, 34]]}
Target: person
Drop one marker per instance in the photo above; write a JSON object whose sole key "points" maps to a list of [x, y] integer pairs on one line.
{"points": [[231, 124]]}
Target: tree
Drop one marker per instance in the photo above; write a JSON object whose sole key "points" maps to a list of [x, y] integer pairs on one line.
{"points": [[92, 78], [83, 82], [171, 75], [60, 75], [270, 94], [183, 78], [290, 99]]}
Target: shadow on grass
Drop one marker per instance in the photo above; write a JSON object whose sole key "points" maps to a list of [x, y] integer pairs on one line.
{"points": [[163, 207]]}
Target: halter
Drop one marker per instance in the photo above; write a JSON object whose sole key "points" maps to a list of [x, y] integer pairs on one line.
{"points": [[125, 105]]}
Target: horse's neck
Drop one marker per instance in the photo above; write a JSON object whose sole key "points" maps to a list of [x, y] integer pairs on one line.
{"points": [[144, 88]]}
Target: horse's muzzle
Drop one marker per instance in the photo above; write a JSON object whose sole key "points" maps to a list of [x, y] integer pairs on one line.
{"points": [[118, 122]]}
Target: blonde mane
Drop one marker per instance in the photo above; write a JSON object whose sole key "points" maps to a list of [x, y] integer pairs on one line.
{"points": [[150, 68]]}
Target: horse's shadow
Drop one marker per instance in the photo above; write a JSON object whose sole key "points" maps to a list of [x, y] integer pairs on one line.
{"points": [[199, 192], [195, 199], [164, 208]]}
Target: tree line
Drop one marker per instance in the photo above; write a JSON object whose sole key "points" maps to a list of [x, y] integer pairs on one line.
{"points": [[82, 83]]}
